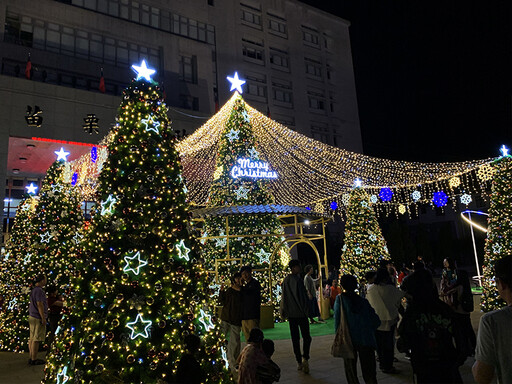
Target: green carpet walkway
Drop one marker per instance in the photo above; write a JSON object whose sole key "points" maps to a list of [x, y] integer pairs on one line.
{"points": [[282, 330]]}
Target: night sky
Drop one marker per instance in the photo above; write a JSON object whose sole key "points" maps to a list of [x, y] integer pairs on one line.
{"points": [[433, 78]]}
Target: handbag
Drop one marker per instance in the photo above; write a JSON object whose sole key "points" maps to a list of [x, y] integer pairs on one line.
{"points": [[342, 345]]}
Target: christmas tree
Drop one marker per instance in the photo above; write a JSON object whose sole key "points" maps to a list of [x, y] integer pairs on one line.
{"points": [[241, 179], [499, 231], [143, 288], [364, 244], [12, 288], [50, 248]]}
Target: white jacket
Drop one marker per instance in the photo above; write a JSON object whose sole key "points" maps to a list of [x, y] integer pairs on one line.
{"points": [[385, 299]]}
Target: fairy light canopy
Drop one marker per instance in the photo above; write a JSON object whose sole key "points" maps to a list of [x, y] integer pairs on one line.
{"points": [[311, 172]]}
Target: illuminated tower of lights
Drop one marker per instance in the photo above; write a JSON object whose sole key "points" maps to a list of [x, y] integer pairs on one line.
{"points": [[364, 244], [241, 179], [142, 289]]}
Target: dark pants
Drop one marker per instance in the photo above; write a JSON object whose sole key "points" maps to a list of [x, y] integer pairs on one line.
{"points": [[465, 337], [437, 374], [302, 323], [368, 366], [386, 347]]}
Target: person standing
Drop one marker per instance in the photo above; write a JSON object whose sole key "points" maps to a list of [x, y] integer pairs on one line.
{"points": [[231, 319], [494, 343], [251, 301], [386, 299], [448, 280], [55, 305], [362, 323], [310, 285], [37, 316], [294, 307]]}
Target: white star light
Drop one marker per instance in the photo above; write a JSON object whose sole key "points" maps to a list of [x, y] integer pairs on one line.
{"points": [[139, 320], [364, 204], [236, 82], [253, 154], [373, 237], [241, 193], [203, 240], [246, 117], [108, 206], [358, 183], [6, 257], [496, 248], [31, 189], [129, 268], [62, 154], [183, 251], [27, 258], [143, 71], [56, 187], [263, 256], [206, 320], [215, 288], [45, 237], [232, 135], [358, 250], [152, 124], [221, 242], [277, 291], [12, 304], [78, 238], [504, 150], [224, 357], [62, 375]]}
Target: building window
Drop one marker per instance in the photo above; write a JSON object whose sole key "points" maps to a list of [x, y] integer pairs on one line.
{"points": [[210, 2], [320, 132], [188, 69], [282, 91], [189, 102], [279, 58], [277, 26], [256, 84], [313, 68], [316, 99], [310, 37], [284, 119], [251, 18], [253, 53]]}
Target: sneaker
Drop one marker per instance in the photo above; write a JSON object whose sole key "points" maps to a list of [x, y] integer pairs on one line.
{"points": [[321, 321], [38, 362], [299, 366], [305, 366]]}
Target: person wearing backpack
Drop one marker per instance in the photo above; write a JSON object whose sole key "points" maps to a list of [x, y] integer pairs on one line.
{"points": [[426, 330], [462, 307]]}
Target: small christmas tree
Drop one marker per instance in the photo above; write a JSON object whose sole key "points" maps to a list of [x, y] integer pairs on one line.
{"points": [[499, 231], [143, 288], [51, 248], [364, 244], [241, 178]]}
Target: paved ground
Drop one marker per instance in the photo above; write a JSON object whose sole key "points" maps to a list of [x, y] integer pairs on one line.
{"points": [[325, 369]]}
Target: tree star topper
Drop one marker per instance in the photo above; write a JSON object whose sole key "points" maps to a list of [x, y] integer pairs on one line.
{"points": [[206, 320], [129, 268], [139, 320], [236, 83], [31, 189], [143, 71], [62, 154], [504, 151], [183, 251]]}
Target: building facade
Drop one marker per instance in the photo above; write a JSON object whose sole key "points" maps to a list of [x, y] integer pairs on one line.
{"points": [[296, 60]]}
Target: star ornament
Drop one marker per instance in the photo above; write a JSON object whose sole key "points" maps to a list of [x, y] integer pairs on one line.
{"points": [[504, 151], [143, 72], [236, 82], [62, 154], [31, 189], [62, 378], [27, 258], [232, 135], [206, 320], [241, 193], [45, 237], [140, 263], [246, 117], [151, 125], [224, 357], [107, 207], [358, 183], [263, 256], [138, 324], [183, 251], [13, 304]]}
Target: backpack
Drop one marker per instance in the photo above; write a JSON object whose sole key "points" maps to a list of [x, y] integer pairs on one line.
{"points": [[434, 338]]}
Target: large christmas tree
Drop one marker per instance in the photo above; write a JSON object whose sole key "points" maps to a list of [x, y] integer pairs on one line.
{"points": [[143, 288], [51, 248], [499, 231], [364, 244], [241, 179]]}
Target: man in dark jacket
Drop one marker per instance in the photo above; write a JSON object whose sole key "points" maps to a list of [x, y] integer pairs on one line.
{"points": [[251, 301], [231, 319], [294, 306]]}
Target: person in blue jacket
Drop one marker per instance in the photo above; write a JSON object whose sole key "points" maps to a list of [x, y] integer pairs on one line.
{"points": [[362, 323]]}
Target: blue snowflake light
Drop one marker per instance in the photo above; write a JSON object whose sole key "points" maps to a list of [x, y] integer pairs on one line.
{"points": [[94, 154], [440, 199], [74, 179], [334, 205], [386, 194]]}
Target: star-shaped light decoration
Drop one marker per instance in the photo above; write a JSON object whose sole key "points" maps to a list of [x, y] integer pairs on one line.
{"points": [[236, 82], [142, 71], [221, 241], [232, 135], [277, 292], [6, 256], [27, 258], [183, 251], [246, 117], [364, 204], [139, 263], [206, 320], [496, 248], [218, 172], [263, 256], [62, 378], [215, 288], [358, 251], [151, 125], [224, 357], [62, 154], [45, 237], [135, 324], [31, 189], [241, 193], [78, 238], [12, 304], [504, 151], [253, 154], [373, 237], [56, 187], [358, 183], [203, 238], [107, 207]]}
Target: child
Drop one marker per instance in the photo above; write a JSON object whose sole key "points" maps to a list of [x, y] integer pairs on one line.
{"points": [[189, 371], [270, 371]]}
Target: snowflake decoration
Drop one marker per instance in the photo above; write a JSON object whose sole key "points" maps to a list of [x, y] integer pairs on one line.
{"points": [[454, 182], [345, 198], [232, 135], [466, 199], [241, 193], [263, 256], [386, 194], [373, 199], [496, 248], [486, 172], [319, 208], [416, 195], [440, 199], [402, 209]]}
